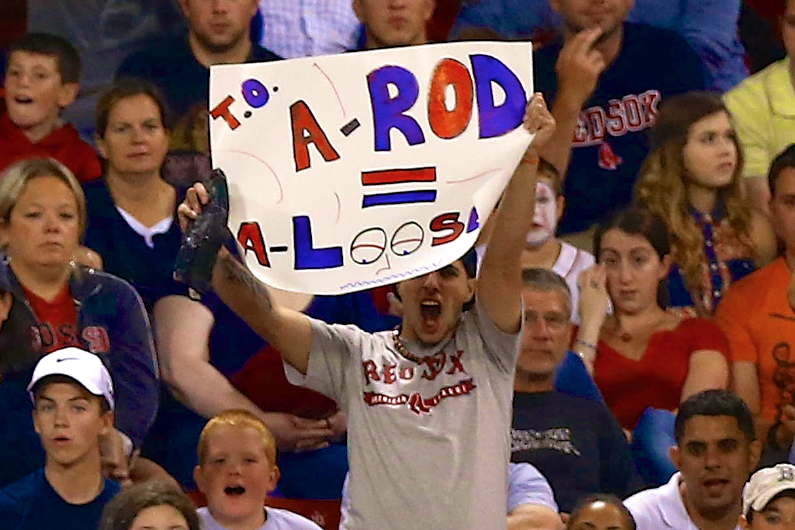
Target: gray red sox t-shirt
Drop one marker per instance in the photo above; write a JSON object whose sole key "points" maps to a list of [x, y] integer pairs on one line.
{"points": [[428, 443]]}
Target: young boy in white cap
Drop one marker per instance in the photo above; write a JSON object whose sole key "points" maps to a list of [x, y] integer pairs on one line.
{"points": [[769, 499], [73, 405]]}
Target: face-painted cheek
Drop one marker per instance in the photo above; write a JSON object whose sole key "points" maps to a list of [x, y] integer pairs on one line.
{"points": [[545, 216]]}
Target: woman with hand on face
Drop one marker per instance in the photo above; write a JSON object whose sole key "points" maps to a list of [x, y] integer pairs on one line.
{"points": [[642, 356], [691, 179], [49, 302]]}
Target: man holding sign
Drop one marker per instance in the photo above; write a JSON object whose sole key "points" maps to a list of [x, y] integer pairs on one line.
{"points": [[428, 405]]}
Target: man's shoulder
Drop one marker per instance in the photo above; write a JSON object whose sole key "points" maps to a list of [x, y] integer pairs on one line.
{"points": [[658, 507], [777, 72], [260, 54], [146, 62], [111, 489], [636, 33], [640, 30], [649, 43], [755, 286], [548, 53], [287, 519], [17, 496], [564, 406]]}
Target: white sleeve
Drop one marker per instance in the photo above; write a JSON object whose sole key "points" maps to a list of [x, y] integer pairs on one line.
{"points": [[526, 485], [334, 347]]}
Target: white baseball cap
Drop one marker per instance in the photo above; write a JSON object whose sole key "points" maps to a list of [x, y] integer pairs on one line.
{"points": [[80, 365], [766, 484]]}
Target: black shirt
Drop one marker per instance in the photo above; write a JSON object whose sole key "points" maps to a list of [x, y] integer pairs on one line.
{"points": [[575, 443]]}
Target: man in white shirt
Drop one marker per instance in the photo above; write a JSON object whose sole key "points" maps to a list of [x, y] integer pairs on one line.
{"points": [[715, 453]]}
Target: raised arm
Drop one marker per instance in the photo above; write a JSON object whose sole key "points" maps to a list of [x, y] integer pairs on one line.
{"points": [[287, 330], [499, 281], [578, 69], [594, 302]]}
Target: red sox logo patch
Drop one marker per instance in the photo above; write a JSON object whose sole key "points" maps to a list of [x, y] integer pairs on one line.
{"points": [[608, 159], [418, 404]]}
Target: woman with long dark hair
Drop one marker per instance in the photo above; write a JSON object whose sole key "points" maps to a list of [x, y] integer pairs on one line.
{"points": [[691, 179]]}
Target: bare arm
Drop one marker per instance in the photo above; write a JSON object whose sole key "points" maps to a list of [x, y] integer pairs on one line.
{"points": [[764, 238], [184, 356], [745, 383], [707, 369], [182, 328], [534, 517], [500, 282], [287, 330], [578, 69]]}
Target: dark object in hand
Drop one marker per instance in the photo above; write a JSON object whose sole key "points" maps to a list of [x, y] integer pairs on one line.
{"points": [[200, 244]]}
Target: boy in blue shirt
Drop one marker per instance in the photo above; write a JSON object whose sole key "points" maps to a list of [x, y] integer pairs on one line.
{"points": [[73, 403]]}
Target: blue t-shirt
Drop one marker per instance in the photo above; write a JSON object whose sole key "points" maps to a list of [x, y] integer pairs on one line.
{"points": [[32, 504], [125, 253], [611, 142]]}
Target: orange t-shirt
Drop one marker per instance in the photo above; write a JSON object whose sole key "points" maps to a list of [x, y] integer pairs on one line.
{"points": [[760, 325]]}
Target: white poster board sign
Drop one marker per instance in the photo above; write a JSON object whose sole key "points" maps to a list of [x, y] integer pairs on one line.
{"points": [[362, 169]]}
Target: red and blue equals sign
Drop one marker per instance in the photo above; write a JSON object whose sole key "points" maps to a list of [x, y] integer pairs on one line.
{"points": [[398, 176]]}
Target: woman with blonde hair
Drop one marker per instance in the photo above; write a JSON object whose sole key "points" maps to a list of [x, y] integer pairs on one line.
{"points": [[691, 179], [48, 302]]}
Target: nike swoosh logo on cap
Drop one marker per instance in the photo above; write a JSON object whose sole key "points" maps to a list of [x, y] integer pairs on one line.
{"points": [[66, 359]]}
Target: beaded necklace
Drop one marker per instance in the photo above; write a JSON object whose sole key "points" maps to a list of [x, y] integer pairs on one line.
{"points": [[402, 350]]}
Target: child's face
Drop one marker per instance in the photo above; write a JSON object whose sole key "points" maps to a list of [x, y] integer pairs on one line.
{"points": [[546, 214], [35, 93], [236, 474], [600, 516], [69, 422], [779, 514], [163, 517]]}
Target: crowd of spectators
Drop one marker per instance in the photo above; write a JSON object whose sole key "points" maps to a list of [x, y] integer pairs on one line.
{"points": [[625, 321]]}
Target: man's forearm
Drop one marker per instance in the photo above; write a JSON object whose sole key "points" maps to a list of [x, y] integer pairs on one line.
{"points": [[515, 215], [206, 391], [534, 517], [288, 331], [239, 289]]}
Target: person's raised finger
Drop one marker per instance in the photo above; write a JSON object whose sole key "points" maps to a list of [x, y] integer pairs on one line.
{"points": [[202, 193], [582, 42], [589, 37], [192, 201]]}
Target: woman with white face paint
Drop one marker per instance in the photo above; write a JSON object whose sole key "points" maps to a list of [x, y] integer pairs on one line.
{"points": [[542, 248]]}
